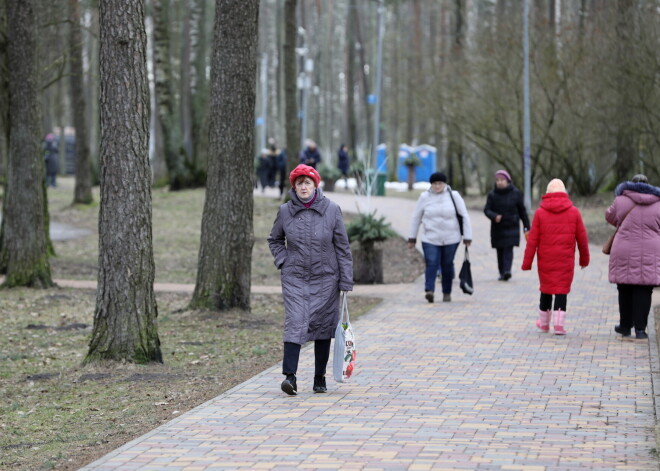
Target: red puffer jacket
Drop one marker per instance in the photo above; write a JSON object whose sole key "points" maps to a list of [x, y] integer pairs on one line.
{"points": [[556, 227]]}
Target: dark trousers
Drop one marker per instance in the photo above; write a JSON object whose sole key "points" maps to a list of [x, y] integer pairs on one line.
{"points": [[504, 259], [546, 302], [292, 354], [634, 306], [439, 256]]}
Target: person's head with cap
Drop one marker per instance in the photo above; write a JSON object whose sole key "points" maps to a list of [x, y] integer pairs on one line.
{"points": [[304, 180], [556, 186], [502, 179], [438, 181], [639, 178]]}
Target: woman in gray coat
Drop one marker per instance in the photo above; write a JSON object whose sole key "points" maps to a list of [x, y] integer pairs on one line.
{"points": [[311, 248]]}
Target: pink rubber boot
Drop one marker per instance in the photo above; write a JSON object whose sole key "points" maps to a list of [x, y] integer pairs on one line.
{"points": [[560, 317], [543, 322]]}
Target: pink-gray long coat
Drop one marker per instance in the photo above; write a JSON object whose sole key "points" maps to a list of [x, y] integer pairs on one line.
{"points": [[635, 255], [311, 248]]}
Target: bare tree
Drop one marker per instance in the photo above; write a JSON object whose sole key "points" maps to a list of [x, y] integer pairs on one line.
{"points": [[223, 274], [24, 238], [125, 317], [290, 75], [83, 189], [4, 95]]}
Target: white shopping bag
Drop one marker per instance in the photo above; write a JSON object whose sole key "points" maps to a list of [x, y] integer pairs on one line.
{"points": [[343, 363]]}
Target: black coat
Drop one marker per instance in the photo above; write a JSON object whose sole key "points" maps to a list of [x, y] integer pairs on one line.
{"points": [[509, 203]]}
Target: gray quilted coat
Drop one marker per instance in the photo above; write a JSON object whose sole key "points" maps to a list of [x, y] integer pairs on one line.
{"points": [[311, 248]]}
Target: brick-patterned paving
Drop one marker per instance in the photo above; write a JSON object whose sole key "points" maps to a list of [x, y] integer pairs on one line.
{"points": [[466, 385]]}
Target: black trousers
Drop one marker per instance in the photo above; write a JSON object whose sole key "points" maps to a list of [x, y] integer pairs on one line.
{"points": [[504, 259], [546, 302], [634, 306], [292, 354]]}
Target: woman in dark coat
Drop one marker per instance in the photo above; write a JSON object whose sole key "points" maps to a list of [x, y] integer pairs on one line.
{"points": [[311, 248], [505, 209]]}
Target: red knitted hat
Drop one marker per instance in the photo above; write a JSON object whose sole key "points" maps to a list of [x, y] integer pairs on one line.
{"points": [[303, 170]]}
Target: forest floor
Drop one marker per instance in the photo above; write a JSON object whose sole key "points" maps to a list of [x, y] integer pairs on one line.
{"points": [[58, 414]]}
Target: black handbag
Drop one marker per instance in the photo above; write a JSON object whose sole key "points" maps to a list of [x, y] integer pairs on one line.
{"points": [[465, 275]]}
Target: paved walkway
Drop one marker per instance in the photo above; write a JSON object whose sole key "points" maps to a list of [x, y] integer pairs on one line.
{"points": [[466, 385]]}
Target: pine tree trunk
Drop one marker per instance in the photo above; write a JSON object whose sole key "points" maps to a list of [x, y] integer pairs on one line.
{"points": [[83, 189], [125, 317], [24, 241], [290, 99], [178, 174], [4, 96], [223, 276]]}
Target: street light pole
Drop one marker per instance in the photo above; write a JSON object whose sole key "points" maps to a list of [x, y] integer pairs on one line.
{"points": [[527, 173], [379, 72]]}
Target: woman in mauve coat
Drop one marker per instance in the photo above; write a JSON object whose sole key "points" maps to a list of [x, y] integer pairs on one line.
{"points": [[311, 248], [556, 227], [635, 253]]}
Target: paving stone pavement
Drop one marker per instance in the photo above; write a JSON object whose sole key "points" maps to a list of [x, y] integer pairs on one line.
{"points": [[466, 385]]}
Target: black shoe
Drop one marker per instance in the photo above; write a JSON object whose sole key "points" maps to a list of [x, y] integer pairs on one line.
{"points": [[506, 276], [429, 296], [319, 384], [620, 330], [641, 335], [500, 278], [289, 385]]}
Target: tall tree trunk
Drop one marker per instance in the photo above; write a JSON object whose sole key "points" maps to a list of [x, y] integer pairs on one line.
{"points": [[223, 275], [200, 91], [290, 75], [179, 175], [83, 188], [24, 241], [125, 317], [626, 131], [4, 96]]}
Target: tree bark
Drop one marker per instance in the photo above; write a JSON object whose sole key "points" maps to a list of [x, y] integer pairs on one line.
{"points": [[626, 131], [4, 96], [178, 166], [82, 193], [290, 75], [125, 317], [24, 240], [223, 275]]}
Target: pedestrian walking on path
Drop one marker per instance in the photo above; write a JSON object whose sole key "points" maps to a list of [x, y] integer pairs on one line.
{"points": [[445, 219], [556, 227], [635, 252], [505, 209], [311, 248]]}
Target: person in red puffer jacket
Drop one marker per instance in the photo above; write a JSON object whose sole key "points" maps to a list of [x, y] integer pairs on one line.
{"points": [[556, 227]]}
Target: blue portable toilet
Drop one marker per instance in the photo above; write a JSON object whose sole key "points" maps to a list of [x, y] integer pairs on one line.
{"points": [[427, 155], [402, 171], [381, 158]]}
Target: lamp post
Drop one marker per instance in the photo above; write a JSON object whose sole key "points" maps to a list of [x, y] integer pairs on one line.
{"points": [[379, 72], [264, 99]]}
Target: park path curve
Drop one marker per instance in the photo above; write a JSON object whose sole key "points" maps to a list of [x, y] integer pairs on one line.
{"points": [[466, 385]]}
